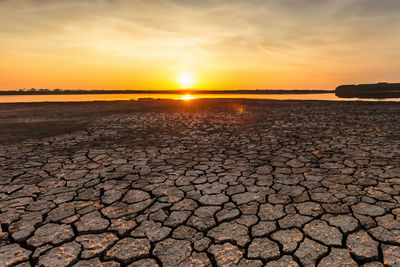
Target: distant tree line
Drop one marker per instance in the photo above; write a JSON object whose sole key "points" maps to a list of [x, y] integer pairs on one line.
{"points": [[57, 91]]}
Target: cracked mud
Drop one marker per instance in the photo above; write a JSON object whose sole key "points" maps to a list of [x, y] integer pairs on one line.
{"points": [[196, 184]]}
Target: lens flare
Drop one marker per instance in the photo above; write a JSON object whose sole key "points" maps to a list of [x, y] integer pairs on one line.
{"points": [[239, 109]]}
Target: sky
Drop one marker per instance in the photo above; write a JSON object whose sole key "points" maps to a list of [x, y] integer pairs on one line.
{"points": [[223, 44]]}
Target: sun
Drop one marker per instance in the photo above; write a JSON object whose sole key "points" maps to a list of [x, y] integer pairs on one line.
{"points": [[186, 80]]}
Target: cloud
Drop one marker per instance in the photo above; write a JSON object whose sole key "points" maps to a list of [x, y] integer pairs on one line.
{"points": [[226, 33]]}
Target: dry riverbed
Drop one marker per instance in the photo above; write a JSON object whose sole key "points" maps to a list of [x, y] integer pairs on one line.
{"points": [[200, 183]]}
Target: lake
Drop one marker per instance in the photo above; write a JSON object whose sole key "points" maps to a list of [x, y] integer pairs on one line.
{"points": [[112, 97]]}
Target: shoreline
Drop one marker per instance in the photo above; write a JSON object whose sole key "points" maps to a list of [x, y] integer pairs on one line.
{"points": [[45, 119], [352, 99]]}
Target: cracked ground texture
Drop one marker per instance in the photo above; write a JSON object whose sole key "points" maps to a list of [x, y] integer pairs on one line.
{"points": [[170, 183]]}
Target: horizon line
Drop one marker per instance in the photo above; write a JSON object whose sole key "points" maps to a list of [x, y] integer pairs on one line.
{"points": [[166, 90]]}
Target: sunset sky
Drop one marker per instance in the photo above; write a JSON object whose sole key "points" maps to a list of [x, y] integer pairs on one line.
{"points": [[223, 44]]}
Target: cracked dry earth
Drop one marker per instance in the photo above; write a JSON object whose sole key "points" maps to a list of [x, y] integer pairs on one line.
{"points": [[284, 184]]}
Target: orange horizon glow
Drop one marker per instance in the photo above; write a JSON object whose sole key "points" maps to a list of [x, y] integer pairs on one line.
{"points": [[223, 45]]}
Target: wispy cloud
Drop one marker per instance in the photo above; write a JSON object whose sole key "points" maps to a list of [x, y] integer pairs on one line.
{"points": [[306, 34]]}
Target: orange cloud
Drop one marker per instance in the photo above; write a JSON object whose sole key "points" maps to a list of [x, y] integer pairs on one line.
{"points": [[120, 44]]}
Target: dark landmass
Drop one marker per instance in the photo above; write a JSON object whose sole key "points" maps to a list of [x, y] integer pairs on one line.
{"points": [[378, 90], [197, 183], [86, 92]]}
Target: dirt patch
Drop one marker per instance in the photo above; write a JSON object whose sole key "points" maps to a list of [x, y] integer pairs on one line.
{"points": [[18, 131]]}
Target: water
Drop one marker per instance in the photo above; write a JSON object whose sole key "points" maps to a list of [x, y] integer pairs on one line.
{"points": [[111, 97]]}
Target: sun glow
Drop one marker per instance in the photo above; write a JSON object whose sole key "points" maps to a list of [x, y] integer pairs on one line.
{"points": [[186, 80]]}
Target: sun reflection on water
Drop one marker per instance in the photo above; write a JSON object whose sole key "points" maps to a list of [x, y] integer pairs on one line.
{"points": [[187, 97]]}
